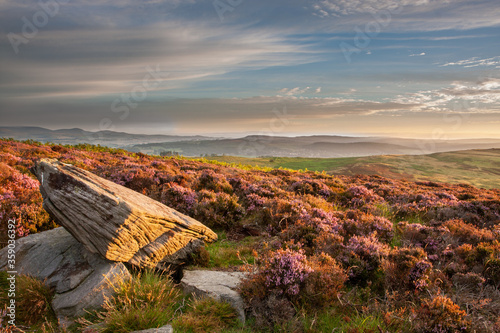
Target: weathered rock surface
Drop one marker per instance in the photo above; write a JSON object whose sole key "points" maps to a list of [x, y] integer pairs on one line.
{"points": [[116, 222], [163, 329], [80, 278], [217, 285]]}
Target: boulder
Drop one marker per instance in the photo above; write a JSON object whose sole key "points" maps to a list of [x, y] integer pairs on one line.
{"points": [[118, 223], [80, 279], [217, 285], [163, 329]]}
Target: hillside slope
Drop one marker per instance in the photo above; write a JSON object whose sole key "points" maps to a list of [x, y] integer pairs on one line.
{"points": [[480, 168], [313, 146], [389, 255]]}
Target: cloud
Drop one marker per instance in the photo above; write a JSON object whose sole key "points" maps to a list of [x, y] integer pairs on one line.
{"points": [[294, 91], [208, 112], [349, 92], [348, 7], [409, 15], [417, 54], [110, 61], [480, 97], [475, 62]]}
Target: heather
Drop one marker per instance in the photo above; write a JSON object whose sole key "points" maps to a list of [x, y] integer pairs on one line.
{"points": [[363, 253]]}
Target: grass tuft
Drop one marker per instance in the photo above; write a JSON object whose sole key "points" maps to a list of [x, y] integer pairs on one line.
{"points": [[33, 299], [206, 315], [145, 301]]}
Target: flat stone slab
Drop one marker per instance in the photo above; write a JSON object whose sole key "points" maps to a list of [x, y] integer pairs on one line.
{"points": [[163, 329], [79, 278], [218, 285]]}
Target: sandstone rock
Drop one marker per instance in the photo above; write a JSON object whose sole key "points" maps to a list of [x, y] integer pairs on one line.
{"points": [[217, 285], [163, 329], [80, 278], [116, 222]]}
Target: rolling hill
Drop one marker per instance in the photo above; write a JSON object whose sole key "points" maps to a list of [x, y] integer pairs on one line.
{"points": [[76, 135], [313, 146], [480, 168]]}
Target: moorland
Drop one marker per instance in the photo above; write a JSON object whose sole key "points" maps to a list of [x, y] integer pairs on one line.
{"points": [[342, 253]]}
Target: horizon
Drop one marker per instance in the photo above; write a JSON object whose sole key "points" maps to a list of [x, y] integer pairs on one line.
{"points": [[244, 135], [400, 69]]}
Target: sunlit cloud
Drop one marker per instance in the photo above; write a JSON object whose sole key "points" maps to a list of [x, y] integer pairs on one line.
{"points": [[475, 62]]}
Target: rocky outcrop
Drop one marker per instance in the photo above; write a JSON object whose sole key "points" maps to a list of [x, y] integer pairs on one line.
{"points": [[116, 222], [80, 279], [217, 285]]}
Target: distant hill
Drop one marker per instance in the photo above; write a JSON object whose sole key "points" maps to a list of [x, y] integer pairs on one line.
{"points": [[313, 146], [76, 135]]}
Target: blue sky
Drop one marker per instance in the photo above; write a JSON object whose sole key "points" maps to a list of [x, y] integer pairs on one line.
{"points": [[425, 68]]}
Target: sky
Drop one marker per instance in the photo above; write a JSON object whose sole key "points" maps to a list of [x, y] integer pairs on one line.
{"points": [[409, 68]]}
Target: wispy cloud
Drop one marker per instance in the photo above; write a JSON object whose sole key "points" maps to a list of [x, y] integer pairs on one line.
{"points": [[475, 62], [102, 62], [294, 91], [417, 54], [481, 97]]}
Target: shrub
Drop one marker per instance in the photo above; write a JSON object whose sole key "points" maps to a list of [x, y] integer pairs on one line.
{"points": [[469, 281], [218, 210], [324, 282], [363, 257], [361, 224], [467, 233], [180, 198], [440, 314], [209, 180], [286, 271], [358, 196], [418, 278], [311, 186], [288, 279], [406, 269], [492, 271], [21, 200]]}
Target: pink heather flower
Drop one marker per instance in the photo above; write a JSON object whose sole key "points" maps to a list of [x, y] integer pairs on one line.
{"points": [[25, 181], [287, 270]]}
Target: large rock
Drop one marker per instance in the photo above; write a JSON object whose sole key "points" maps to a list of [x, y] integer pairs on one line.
{"points": [[116, 222], [81, 279], [217, 285]]}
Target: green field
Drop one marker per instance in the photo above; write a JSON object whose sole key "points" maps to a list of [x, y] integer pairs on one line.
{"points": [[480, 168]]}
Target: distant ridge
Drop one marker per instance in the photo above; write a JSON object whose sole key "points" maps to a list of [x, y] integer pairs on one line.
{"points": [[315, 146], [77, 135]]}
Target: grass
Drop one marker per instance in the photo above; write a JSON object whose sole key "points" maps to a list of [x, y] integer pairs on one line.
{"points": [[337, 319], [226, 253], [150, 300], [206, 315], [147, 300], [474, 167], [33, 300]]}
